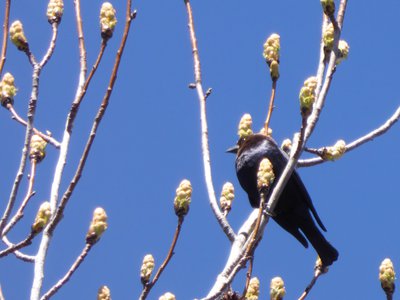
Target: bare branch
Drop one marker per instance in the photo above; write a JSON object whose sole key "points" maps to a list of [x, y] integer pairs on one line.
{"points": [[5, 35], [223, 222], [15, 247], [18, 254], [68, 275]]}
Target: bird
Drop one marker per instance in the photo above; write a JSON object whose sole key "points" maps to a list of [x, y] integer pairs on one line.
{"points": [[294, 207]]}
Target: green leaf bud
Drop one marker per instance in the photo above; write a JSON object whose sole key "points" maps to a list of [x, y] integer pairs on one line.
{"points": [[328, 6], [37, 150], [227, 196], [387, 276], [147, 268], [108, 20], [104, 293], [17, 36], [277, 289], [307, 96], [253, 290], [265, 175], [55, 10], [97, 226], [183, 198], [7, 90], [42, 218], [334, 152], [344, 50], [244, 128], [167, 296], [329, 37]]}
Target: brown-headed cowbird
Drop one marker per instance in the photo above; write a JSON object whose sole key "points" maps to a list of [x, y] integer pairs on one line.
{"points": [[292, 211]]}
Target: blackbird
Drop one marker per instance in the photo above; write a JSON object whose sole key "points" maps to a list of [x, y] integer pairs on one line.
{"points": [[294, 205]]}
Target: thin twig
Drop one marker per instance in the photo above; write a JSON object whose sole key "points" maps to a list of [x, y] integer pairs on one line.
{"points": [[81, 39], [317, 273], [271, 106], [148, 286], [22, 256], [57, 215], [1, 294], [5, 35], [68, 275], [360, 141], [52, 45], [15, 247], [46, 137], [20, 212], [223, 222]]}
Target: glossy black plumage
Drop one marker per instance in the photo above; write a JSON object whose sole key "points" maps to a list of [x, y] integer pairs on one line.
{"points": [[292, 211]]}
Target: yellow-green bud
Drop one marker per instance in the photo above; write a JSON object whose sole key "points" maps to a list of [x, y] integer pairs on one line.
{"points": [[269, 133], [334, 152], [307, 96], [147, 268], [271, 48], [37, 150], [244, 128], [344, 49], [265, 175], [227, 196], [183, 198], [104, 293], [42, 217], [329, 37], [253, 290], [328, 6], [108, 20], [167, 296], [286, 145], [7, 90], [277, 289], [387, 275], [97, 226], [55, 10], [17, 36]]}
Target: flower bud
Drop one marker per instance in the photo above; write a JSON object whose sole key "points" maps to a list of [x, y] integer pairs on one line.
{"points": [[277, 289], [334, 152], [97, 226], [17, 36], [107, 20], [344, 49], [227, 196], [7, 90], [307, 96], [387, 276], [42, 217], [265, 175], [271, 55], [104, 293], [244, 129], [147, 268], [167, 296], [329, 37], [55, 10], [286, 146], [37, 148], [183, 198], [271, 48], [253, 290], [328, 6]]}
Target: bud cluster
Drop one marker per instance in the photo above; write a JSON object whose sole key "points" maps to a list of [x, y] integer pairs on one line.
{"points": [[253, 290], [108, 20], [265, 175], [307, 96], [17, 36], [277, 289], [343, 53], [37, 150], [227, 196], [329, 37], [7, 90], [286, 145], [329, 7], [271, 54], [334, 152], [167, 296], [97, 226], [183, 198], [42, 217], [244, 128], [387, 275], [104, 293], [55, 10], [147, 268]]}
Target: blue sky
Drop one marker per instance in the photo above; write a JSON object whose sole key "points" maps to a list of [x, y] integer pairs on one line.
{"points": [[150, 140]]}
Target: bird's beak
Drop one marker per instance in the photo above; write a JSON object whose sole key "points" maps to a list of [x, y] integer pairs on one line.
{"points": [[233, 149]]}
